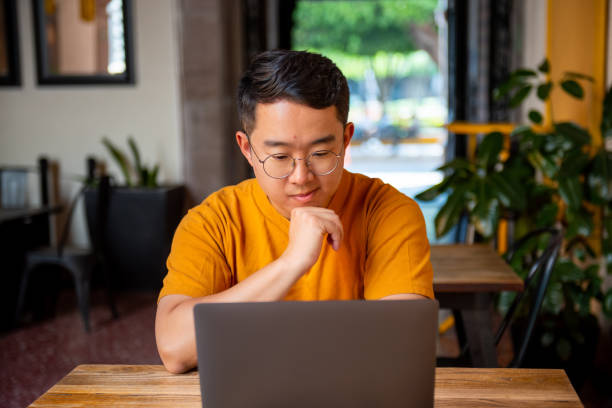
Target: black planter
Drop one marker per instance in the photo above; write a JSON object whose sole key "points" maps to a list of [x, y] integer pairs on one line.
{"points": [[139, 230]]}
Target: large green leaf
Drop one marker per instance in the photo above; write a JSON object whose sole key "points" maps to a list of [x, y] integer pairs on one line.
{"points": [[606, 119], [579, 76], [543, 193], [583, 300], [433, 192], [595, 281], [570, 190], [553, 301], [599, 178], [510, 192], [544, 90], [486, 220], [522, 72], [557, 144], [547, 216], [606, 246], [152, 179], [449, 214], [576, 134], [485, 214], [457, 164], [518, 170], [572, 88], [120, 158], [507, 86], [519, 131], [578, 223], [520, 95], [567, 271], [535, 116], [135, 153], [544, 67], [544, 163], [574, 163], [142, 173], [489, 149], [607, 303]]}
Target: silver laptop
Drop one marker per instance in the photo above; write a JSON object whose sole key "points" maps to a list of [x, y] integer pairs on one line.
{"points": [[317, 354]]}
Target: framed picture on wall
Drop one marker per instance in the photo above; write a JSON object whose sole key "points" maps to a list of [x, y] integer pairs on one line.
{"points": [[82, 42], [9, 44]]}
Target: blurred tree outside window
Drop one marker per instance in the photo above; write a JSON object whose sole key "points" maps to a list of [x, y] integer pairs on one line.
{"points": [[393, 54]]}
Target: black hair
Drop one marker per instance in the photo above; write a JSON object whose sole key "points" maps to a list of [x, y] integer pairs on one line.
{"points": [[298, 76]]}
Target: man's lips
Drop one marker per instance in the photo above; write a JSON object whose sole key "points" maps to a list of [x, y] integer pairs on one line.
{"points": [[304, 197]]}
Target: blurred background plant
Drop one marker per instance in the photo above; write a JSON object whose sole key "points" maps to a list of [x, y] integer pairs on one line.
{"points": [[145, 176], [548, 176]]}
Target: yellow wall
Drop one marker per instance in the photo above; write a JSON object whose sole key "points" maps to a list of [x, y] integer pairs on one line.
{"points": [[577, 42]]}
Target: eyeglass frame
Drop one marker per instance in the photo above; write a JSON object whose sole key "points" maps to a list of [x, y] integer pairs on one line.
{"points": [[306, 159]]}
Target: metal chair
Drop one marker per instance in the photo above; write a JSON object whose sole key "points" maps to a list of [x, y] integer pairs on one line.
{"points": [[538, 276], [79, 262], [542, 266]]}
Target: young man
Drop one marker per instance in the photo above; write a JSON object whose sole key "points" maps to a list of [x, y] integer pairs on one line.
{"points": [[304, 228]]}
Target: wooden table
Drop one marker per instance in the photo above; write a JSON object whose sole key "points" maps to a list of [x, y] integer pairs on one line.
{"points": [[153, 386], [26, 214], [465, 279]]}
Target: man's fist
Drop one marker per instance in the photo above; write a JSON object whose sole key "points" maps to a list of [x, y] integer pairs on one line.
{"points": [[309, 226]]}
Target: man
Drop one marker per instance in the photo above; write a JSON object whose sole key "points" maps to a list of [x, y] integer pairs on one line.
{"points": [[304, 228]]}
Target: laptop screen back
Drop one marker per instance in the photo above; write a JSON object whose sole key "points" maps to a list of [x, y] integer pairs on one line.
{"points": [[317, 354]]}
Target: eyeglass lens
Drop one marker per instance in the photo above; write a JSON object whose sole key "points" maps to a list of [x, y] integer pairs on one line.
{"points": [[321, 163]]}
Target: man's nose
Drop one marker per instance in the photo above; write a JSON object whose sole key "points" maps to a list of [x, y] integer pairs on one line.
{"points": [[301, 172]]}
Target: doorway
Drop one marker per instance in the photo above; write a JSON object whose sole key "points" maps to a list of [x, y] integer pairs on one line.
{"points": [[394, 56]]}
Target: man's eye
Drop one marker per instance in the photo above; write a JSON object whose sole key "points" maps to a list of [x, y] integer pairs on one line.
{"points": [[321, 153], [281, 157]]}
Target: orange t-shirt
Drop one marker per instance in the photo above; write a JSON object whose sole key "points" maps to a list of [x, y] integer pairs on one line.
{"points": [[236, 231]]}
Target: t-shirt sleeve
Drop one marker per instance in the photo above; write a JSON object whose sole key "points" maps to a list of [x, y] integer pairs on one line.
{"points": [[397, 253], [197, 265]]}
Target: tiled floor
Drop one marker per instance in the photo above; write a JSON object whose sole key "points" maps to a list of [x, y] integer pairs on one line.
{"points": [[35, 357]]}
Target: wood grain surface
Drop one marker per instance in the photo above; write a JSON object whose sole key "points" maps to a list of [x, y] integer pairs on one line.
{"points": [[471, 268], [153, 386]]}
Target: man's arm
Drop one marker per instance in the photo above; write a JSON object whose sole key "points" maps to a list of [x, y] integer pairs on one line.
{"points": [[174, 327], [404, 296]]}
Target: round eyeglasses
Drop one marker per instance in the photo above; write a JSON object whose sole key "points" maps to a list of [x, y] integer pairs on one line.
{"points": [[280, 165]]}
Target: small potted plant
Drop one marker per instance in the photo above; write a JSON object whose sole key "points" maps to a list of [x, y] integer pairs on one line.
{"points": [[142, 217]]}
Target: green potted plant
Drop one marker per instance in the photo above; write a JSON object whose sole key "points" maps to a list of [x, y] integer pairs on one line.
{"points": [[551, 177], [142, 218]]}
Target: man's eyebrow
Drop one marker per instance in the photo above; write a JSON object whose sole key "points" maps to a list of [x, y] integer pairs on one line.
{"points": [[278, 143], [324, 139], [275, 143]]}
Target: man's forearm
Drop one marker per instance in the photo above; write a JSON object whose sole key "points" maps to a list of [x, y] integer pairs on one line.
{"points": [[174, 326], [270, 283]]}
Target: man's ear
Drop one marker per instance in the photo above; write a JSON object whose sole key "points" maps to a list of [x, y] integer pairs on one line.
{"points": [[244, 145], [349, 129]]}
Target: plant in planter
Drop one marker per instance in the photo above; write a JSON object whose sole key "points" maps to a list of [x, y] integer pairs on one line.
{"points": [[551, 177], [147, 177], [142, 218]]}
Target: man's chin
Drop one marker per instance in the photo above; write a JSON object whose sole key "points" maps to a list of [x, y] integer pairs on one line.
{"points": [[292, 205]]}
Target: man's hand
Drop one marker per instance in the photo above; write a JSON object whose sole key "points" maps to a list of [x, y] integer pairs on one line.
{"points": [[309, 226], [174, 329]]}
